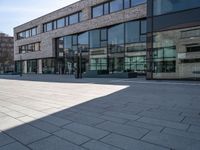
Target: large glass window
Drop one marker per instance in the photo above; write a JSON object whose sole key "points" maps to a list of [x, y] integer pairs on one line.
{"points": [[97, 11], [132, 32], [83, 41], [48, 66], [137, 2], [74, 18], [116, 38], [61, 23], [95, 39], [49, 26], [127, 3], [34, 31], [29, 48], [135, 63], [32, 66], [116, 34], [116, 5], [67, 43], [106, 8], [164, 53], [166, 6], [27, 33], [98, 64]]}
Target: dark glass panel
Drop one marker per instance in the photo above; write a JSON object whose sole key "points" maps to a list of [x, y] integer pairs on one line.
{"points": [[83, 41], [166, 6], [49, 26], [127, 3], [67, 43], [75, 40], [54, 24], [116, 34], [32, 66], [106, 8], [143, 27], [67, 21], [34, 31], [74, 18], [80, 16], [137, 2], [61, 23], [94, 38], [104, 34], [116, 5], [132, 32], [97, 11]]}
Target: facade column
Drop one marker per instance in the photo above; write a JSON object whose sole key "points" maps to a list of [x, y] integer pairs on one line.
{"points": [[39, 67], [24, 67]]}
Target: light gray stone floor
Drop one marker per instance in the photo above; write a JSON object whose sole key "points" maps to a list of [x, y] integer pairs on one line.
{"points": [[51, 112]]}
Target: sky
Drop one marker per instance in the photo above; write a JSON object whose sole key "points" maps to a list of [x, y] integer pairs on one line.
{"points": [[17, 12]]}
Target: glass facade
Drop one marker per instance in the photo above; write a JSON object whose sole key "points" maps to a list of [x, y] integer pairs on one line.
{"points": [[27, 33], [83, 42], [135, 63], [97, 11], [31, 66], [116, 39], [62, 22], [108, 50], [137, 2], [29, 48], [48, 66], [73, 19], [114, 6], [98, 64], [167, 6], [177, 51], [164, 53]]}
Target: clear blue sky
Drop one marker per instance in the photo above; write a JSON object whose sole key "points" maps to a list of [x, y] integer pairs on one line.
{"points": [[16, 12]]}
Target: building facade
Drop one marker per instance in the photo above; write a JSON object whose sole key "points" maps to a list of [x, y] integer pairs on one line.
{"points": [[6, 53], [113, 38], [173, 47]]}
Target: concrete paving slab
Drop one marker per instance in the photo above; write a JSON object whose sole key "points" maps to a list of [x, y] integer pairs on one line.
{"points": [[96, 145], [86, 130], [14, 146], [172, 141], [26, 134], [164, 123], [129, 143], [5, 139], [134, 132], [72, 136], [54, 143]]}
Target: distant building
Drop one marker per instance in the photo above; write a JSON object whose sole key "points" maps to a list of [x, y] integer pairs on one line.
{"points": [[114, 38], [6, 53]]}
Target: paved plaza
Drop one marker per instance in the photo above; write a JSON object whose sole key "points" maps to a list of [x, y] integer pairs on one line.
{"points": [[51, 112]]}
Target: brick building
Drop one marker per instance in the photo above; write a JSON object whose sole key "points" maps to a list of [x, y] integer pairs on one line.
{"points": [[112, 38], [6, 53]]}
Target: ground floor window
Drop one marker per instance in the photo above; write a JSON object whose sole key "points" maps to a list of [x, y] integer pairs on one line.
{"points": [[135, 63], [31, 66], [98, 64], [116, 64], [165, 66], [18, 67], [48, 66]]}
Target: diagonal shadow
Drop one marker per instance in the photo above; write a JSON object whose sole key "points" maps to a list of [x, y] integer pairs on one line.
{"points": [[59, 129]]}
